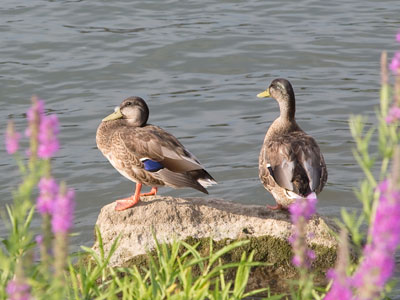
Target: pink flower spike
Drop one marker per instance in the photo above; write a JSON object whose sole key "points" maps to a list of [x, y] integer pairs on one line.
{"points": [[311, 254], [35, 114], [383, 186], [48, 190], [63, 212], [12, 138], [18, 291], [341, 288], [393, 115], [37, 109], [395, 63], [39, 239], [297, 261], [378, 264], [303, 207], [301, 212], [48, 142]]}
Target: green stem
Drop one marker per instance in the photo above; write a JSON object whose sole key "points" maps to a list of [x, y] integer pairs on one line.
{"points": [[384, 166], [20, 164], [46, 244], [47, 168], [60, 259]]}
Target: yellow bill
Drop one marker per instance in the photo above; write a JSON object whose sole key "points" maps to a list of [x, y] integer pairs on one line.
{"points": [[264, 94], [115, 115]]}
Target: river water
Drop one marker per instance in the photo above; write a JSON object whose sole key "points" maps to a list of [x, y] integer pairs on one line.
{"points": [[199, 65]]}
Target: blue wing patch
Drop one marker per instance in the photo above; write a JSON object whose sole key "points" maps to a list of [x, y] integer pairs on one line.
{"points": [[152, 166]]}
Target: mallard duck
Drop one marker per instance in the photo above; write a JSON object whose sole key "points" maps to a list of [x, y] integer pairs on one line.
{"points": [[291, 164], [147, 154]]}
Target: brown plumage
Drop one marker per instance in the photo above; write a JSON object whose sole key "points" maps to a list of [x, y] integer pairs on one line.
{"points": [[290, 163], [147, 154]]}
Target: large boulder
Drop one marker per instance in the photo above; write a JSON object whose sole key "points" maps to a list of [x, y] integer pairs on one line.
{"points": [[198, 219]]}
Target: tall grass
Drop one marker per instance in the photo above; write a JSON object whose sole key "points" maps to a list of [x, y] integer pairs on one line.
{"points": [[36, 266], [39, 267]]}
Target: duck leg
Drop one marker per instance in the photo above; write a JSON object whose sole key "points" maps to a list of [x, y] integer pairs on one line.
{"points": [[130, 201], [276, 207], [151, 193]]}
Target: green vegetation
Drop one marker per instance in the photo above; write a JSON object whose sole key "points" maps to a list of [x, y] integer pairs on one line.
{"points": [[199, 269]]}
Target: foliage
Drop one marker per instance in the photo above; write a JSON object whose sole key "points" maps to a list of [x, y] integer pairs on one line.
{"points": [[172, 273], [179, 271]]}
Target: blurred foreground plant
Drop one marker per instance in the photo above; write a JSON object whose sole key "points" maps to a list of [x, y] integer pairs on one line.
{"points": [[301, 212], [177, 271], [381, 202], [379, 193], [20, 276]]}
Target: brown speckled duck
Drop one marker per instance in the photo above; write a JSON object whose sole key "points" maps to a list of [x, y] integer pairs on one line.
{"points": [[147, 154], [291, 164]]}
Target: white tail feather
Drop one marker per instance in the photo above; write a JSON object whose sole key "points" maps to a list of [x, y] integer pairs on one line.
{"points": [[292, 195], [206, 182]]}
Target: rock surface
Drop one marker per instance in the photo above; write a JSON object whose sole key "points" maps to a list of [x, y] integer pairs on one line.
{"points": [[195, 219]]}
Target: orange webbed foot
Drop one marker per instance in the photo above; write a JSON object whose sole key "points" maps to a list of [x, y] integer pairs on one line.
{"points": [[126, 203], [276, 207], [134, 199], [151, 193]]}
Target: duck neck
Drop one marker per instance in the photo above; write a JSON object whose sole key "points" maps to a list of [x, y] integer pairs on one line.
{"points": [[287, 109], [135, 123]]}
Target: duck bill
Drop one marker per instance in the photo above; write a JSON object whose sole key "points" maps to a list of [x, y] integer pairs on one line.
{"points": [[114, 116], [264, 94]]}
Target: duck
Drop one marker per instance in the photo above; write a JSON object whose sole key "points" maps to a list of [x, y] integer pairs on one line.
{"points": [[147, 154], [291, 164]]}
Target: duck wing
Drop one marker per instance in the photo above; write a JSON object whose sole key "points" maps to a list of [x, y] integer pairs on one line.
{"points": [[295, 162], [161, 154]]}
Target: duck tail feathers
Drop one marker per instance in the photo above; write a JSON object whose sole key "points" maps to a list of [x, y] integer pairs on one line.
{"points": [[197, 179], [203, 178], [292, 195]]}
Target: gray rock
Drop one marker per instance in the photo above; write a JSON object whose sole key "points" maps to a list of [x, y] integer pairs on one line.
{"points": [[195, 219]]}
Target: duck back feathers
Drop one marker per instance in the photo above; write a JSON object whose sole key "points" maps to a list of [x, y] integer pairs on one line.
{"points": [[148, 154], [295, 161]]}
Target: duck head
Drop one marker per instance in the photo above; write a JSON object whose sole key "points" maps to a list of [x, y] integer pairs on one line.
{"points": [[133, 110], [282, 91]]}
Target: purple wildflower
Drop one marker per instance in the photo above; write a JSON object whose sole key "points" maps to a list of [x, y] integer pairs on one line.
{"points": [[393, 115], [48, 142], [341, 286], [37, 109], [12, 138], [379, 263], [63, 212], [395, 63], [311, 254], [61, 223], [48, 190], [42, 130], [35, 114], [18, 291], [303, 208], [39, 239], [301, 211]]}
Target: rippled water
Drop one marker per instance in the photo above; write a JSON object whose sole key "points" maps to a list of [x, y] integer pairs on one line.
{"points": [[199, 65]]}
